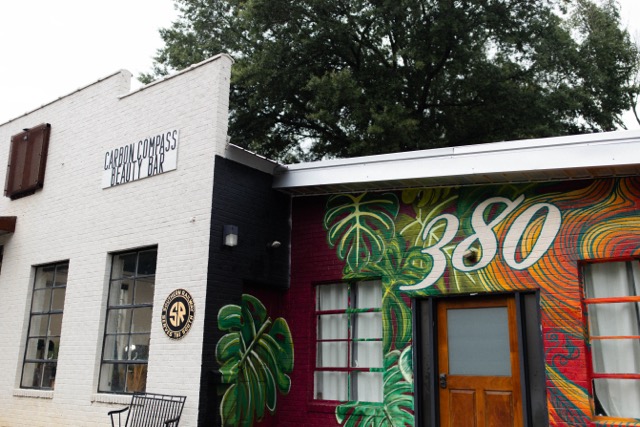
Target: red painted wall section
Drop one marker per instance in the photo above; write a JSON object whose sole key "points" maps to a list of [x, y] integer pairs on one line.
{"points": [[528, 237], [312, 261]]}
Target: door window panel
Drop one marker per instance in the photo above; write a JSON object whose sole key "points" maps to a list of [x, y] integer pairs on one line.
{"points": [[479, 341]]}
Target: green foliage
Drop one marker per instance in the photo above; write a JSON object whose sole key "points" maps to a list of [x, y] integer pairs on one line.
{"points": [[396, 410], [255, 358], [359, 226], [605, 72], [355, 77]]}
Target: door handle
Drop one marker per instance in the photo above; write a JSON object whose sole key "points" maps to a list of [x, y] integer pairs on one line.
{"points": [[443, 380]]}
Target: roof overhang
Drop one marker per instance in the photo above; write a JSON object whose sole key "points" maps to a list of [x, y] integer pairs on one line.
{"points": [[576, 157]]}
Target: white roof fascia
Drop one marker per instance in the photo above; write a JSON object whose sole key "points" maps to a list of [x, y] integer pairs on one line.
{"points": [[250, 159], [610, 149]]}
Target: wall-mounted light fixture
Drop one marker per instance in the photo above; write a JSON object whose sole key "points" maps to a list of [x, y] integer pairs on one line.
{"points": [[274, 244], [230, 235]]}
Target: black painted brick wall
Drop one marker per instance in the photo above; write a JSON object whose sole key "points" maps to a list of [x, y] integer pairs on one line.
{"points": [[243, 197]]}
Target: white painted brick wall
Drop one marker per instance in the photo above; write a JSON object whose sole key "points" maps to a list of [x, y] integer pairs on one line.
{"points": [[73, 218]]}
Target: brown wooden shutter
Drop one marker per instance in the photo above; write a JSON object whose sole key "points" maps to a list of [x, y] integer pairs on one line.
{"points": [[27, 161]]}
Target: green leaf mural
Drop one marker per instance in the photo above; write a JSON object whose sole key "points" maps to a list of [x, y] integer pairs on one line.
{"points": [[255, 358], [359, 226], [398, 266], [376, 241], [405, 363], [427, 204], [385, 245], [397, 408]]}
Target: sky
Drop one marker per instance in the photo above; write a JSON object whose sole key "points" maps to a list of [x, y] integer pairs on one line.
{"points": [[50, 48]]}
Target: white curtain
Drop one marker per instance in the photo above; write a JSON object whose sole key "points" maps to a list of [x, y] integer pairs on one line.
{"points": [[367, 386], [332, 385], [616, 397]]}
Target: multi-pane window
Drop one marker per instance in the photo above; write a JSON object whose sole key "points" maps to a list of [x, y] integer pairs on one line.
{"points": [[612, 299], [349, 341], [45, 324], [125, 351]]}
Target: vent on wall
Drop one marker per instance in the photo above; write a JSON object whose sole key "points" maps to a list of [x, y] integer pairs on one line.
{"points": [[27, 161]]}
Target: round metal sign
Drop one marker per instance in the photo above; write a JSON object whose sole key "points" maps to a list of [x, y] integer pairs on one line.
{"points": [[177, 314]]}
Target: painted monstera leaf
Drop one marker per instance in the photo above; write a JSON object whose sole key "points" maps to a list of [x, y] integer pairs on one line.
{"points": [[255, 357], [358, 226], [398, 266], [397, 408], [427, 204], [401, 265]]}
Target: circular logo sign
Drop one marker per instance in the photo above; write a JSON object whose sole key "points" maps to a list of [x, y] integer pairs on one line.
{"points": [[177, 314]]}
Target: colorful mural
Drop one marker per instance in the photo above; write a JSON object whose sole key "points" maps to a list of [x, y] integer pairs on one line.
{"points": [[426, 242], [255, 357]]}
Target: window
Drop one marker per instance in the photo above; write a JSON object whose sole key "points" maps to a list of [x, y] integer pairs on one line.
{"points": [[125, 351], [613, 305], [349, 342], [45, 324]]}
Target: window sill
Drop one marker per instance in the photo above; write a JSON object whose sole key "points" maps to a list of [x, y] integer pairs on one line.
{"points": [[38, 394], [120, 399], [326, 406], [330, 406], [616, 422]]}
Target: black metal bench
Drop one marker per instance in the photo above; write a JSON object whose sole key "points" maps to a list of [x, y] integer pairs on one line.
{"points": [[150, 410]]}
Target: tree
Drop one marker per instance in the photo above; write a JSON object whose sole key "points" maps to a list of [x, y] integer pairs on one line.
{"points": [[354, 77]]}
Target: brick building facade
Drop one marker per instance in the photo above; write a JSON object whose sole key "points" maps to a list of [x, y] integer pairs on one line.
{"points": [[494, 284], [81, 223]]}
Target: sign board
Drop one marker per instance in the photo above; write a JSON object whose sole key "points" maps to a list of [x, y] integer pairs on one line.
{"points": [[149, 156], [177, 314]]}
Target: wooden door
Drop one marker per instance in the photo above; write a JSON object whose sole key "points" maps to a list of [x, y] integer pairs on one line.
{"points": [[478, 363]]}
